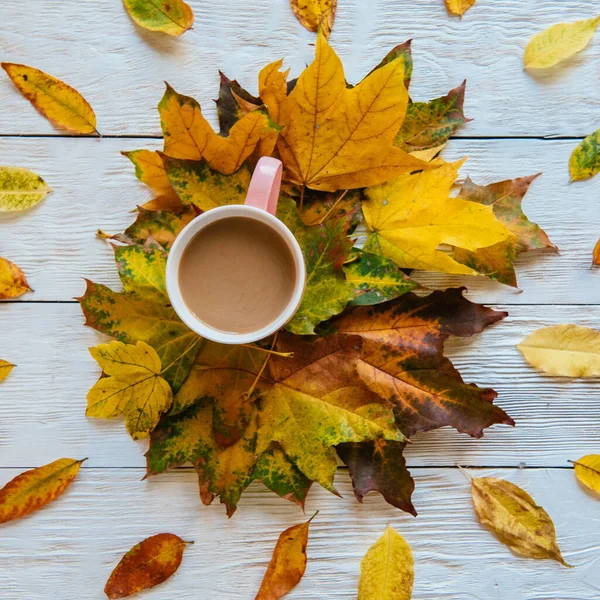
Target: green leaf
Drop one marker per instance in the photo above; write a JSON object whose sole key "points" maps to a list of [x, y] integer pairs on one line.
{"points": [[173, 17], [585, 160], [20, 189]]}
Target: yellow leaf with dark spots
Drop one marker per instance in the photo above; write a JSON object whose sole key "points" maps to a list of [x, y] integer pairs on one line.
{"points": [[587, 470], [315, 14], [585, 159], [559, 42], [13, 282], [336, 137], [20, 189], [146, 565], [188, 135], [387, 571], [512, 514], [5, 369], [173, 17], [288, 563], [33, 489], [61, 104], [132, 387]]}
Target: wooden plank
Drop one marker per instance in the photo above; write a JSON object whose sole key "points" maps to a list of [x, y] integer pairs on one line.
{"points": [[42, 402], [95, 188], [120, 68], [69, 549]]}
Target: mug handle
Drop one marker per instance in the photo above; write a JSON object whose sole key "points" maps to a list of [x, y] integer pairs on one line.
{"points": [[265, 184]]}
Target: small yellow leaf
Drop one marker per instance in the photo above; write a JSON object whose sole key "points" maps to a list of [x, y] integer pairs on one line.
{"points": [[33, 489], [5, 369], [315, 13], [459, 7], [61, 104], [587, 470], [133, 386], [387, 571], [20, 189], [559, 42], [515, 518], [173, 17], [565, 350], [13, 282], [288, 563]]}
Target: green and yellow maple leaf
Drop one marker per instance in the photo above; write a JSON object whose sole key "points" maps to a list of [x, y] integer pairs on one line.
{"points": [[133, 386]]}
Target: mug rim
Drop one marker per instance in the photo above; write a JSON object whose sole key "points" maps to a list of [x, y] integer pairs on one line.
{"points": [[190, 231]]}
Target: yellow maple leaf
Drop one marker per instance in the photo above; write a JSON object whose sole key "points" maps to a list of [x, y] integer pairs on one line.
{"points": [[335, 137], [188, 135], [410, 217], [133, 388]]}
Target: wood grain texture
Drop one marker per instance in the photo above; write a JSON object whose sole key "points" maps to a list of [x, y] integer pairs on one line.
{"points": [[42, 403], [119, 67], [55, 243], [68, 551]]}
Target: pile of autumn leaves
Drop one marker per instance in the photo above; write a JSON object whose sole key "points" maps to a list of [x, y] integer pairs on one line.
{"points": [[360, 367]]}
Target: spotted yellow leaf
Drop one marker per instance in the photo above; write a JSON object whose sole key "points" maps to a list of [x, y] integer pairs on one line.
{"points": [[585, 160], [561, 41], [61, 104], [564, 350], [315, 13], [173, 17], [132, 387], [20, 189], [587, 470]]}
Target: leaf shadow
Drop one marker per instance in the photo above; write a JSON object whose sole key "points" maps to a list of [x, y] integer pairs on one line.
{"points": [[558, 72], [159, 42]]}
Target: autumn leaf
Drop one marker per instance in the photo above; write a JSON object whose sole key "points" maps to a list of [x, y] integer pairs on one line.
{"points": [[430, 154], [149, 169], [329, 142], [430, 124], [325, 248], [147, 564], [288, 563], [596, 255], [387, 570], [459, 7], [409, 232], [5, 369], [379, 466], [403, 52], [376, 279], [13, 282], [402, 360], [162, 226], [564, 350], [233, 103], [61, 104], [132, 387], [585, 160], [318, 207], [315, 14], [169, 202], [173, 17], [20, 189], [505, 198], [559, 42], [33, 489], [512, 514], [189, 136], [196, 183], [587, 470], [318, 402]]}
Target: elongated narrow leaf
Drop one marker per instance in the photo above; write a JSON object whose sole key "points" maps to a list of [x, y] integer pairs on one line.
{"points": [[387, 571], [585, 160], [61, 104], [315, 13], [147, 564], [559, 42], [33, 489], [565, 350], [287, 565], [587, 469], [20, 189], [5, 369], [515, 518], [459, 7], [13, 282], [173, 17]]}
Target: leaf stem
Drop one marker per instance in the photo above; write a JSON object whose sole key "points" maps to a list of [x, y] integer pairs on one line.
{"points": [[307, 522], [266, 351], [262, 369], [302, 198], [464, 472], [332, 208]]}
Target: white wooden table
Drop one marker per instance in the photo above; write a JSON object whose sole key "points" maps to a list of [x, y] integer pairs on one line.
{"points": [[522, 124]]}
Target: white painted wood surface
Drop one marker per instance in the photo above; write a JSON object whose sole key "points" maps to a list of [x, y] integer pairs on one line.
{"points": [[67, 551]]}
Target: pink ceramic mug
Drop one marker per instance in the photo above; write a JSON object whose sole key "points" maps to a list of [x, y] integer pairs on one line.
{"points": [[261, 205]]}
